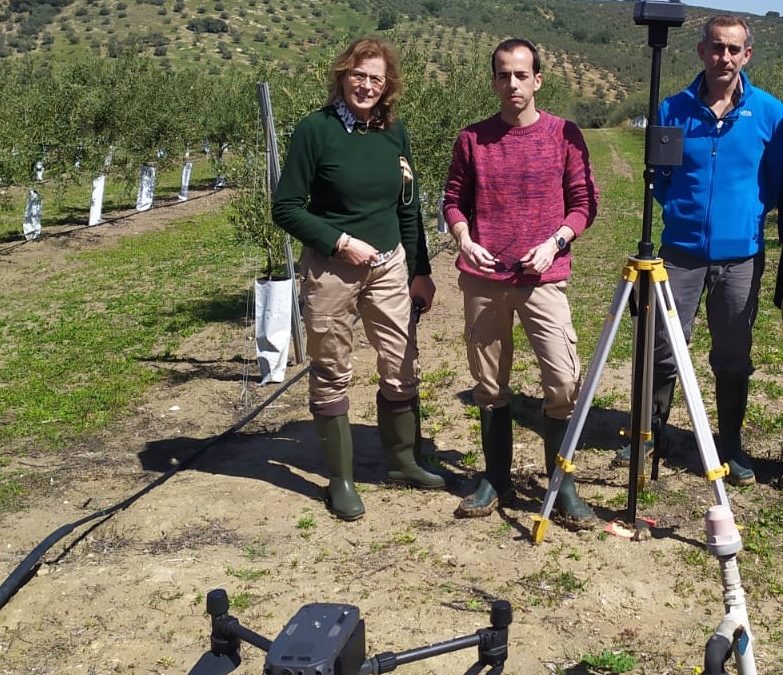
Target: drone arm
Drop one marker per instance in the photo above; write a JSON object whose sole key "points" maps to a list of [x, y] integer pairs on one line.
{"points": [[385, 662], [251, 637], [492, 645]]}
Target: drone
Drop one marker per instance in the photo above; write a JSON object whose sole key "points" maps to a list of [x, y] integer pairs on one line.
{"points": [[329, 639]]}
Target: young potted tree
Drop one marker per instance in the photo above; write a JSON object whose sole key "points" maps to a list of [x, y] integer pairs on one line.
{"points": [[252, 218]]}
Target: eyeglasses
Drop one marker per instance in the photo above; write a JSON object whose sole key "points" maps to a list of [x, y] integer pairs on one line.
{"points": [[360, 77], [507, 263]]}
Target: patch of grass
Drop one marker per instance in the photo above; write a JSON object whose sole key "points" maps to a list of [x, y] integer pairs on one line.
{"points": [[549, 588], [469, 458], [474, 604], [762, 535], [647, 497], [242, 601], [404, 538], [771, 389], [255, 550], [442, 377], [607, 400], [503, 529], [428, 410], [306, 526], [473, 412], [79, 346], [610, 662], [695, 557], [247, 573], [759, 417], [618, 501], [12, 492]]}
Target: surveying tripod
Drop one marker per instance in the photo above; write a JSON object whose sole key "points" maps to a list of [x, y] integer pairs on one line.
{"points": [[646, 273]]}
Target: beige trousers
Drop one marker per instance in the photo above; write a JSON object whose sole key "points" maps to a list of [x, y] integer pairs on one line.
{"points": [[335, 293], [546, 320]]}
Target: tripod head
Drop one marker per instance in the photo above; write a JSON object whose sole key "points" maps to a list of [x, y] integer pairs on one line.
{"points": [[659, 15], [663, 145], [326, 638]]}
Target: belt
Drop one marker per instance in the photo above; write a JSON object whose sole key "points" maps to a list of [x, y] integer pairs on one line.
{"points": [[383, 258]]}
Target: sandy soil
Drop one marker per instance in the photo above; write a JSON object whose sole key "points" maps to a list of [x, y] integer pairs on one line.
{"points": [[127, 594]]}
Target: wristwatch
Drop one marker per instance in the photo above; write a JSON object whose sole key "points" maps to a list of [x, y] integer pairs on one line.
{"points": [[560, 241]]}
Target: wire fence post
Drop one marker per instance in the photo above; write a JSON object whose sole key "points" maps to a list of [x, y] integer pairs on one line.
{"points": [[273, 176]]}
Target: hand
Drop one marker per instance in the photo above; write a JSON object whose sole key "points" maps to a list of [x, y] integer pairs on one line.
{"points": [[357, 252], [539, 258], [477, 256], [423, 288]]}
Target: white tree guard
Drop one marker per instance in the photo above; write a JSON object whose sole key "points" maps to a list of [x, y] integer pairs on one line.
{"points": [[96, 200], [185, 185], [39, 171], [273, 327], [146, 193], [32, 215]]}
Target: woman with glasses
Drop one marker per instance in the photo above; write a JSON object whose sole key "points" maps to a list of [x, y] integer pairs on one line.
{"points": [[348, 193]]}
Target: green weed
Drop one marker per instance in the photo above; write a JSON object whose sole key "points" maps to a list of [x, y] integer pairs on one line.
{"points": [[242, 601], [246, 573], [306, 526], [473, 412], [255, 550], [442, 377], [548, 588], [404, 538], [610, 662], [469, 458]]}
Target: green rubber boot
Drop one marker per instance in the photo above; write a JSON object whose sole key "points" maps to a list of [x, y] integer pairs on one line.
{"points": [[662, 396], [494, 488], [570, 508], [397, 428], [334, 433], [428, 460], [731, 399]]}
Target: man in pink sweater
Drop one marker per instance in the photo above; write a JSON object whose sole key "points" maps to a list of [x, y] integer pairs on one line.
{"points": [[519, 191]]}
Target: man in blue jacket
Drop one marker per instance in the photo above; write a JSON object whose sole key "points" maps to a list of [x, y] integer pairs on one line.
{"points": [[714, 207]]}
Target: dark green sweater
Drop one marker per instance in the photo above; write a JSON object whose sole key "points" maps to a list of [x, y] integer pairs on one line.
{"points": [[335, 182]]}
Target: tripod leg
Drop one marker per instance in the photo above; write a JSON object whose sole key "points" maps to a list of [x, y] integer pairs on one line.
{"points": [[690, 389], [577, 421]]}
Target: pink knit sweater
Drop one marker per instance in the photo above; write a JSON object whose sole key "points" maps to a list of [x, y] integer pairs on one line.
{"points": [[515, 186]]}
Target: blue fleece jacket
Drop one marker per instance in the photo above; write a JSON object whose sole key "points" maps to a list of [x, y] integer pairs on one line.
{"points": [[714, 205]]}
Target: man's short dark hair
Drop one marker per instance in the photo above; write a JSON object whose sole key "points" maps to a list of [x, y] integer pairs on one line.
{"points": [[511, 45], [726, 21]]}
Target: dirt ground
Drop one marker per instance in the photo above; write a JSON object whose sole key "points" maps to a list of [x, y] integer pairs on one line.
{"points": [[127, 594]]}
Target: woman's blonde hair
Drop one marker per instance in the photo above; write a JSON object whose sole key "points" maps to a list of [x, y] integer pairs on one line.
{"points": [[369, 48]]}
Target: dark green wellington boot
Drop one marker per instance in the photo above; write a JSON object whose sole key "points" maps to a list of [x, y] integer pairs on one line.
{"points": [[397, 429], [731, 399], [662, 396], [573, 511], [428, 460], [494, 488], [334, 433]]}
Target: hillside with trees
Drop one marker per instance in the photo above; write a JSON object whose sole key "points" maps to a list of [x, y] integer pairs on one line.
{"points": [[593, 45]]}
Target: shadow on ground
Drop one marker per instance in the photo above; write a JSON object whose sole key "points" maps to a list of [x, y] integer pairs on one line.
{"points": [[277, 457]]}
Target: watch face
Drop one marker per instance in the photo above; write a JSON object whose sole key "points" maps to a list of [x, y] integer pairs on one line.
{"points": [[561, 243]]}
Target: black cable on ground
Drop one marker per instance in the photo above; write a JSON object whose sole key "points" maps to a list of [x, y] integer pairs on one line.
{"points": [[25, 570]]}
